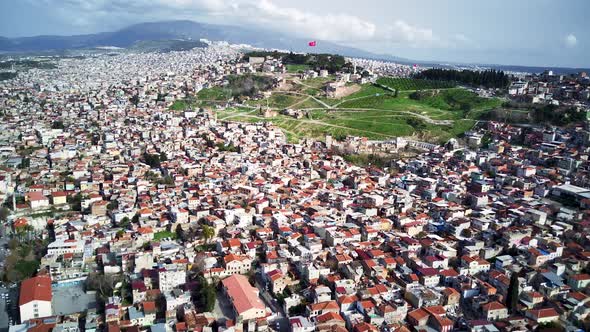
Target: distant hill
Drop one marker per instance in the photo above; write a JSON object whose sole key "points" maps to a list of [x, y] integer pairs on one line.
{"points": [[150, 35], [170, 30]]}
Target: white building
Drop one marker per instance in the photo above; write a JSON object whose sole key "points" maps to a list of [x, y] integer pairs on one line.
{"points": [[170, 276], [65, 246], [35, 298]]}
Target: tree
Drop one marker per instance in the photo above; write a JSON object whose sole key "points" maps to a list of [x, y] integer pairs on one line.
{"points": [[153, 160], [75, 202], [297, 309], [205, 295], [554, 326], [124, 222], [167, 180], [103, 284], [466, 107], [180, 233], [208, 233], [134, 100], [512, 296], [4, 212], [57, 124], [466, 233], [25, 163], [487, 78], [417, 123], [350, 182], [113, 205], [415, 95]]}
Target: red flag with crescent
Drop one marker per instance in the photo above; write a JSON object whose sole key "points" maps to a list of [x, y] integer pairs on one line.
{"points": [[312, 43]]}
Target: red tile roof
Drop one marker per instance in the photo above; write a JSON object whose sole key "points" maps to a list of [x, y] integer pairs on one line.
{"points": [[36, 196], [242, 294], [328, 316], [495, 305], [35, 289]]}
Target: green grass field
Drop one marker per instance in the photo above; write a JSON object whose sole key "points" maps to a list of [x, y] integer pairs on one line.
{"points": [[164, 234], [214, 93], [179, 105], [297, 68], [373, 112], [410, 84], [277, 100]]}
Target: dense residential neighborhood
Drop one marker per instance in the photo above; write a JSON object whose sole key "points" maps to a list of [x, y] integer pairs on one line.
{"points": [[122, 214]]}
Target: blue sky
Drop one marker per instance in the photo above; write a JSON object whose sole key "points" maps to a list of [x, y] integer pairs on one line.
{"points": [[520, 32]]}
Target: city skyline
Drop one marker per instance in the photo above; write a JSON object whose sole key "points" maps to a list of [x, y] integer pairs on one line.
{"points": [[539, 33]]}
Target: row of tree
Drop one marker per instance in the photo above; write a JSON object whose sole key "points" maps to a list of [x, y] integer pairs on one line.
{"points": [[554, 115], [488, 78], [154, 160], [207, 232], [204, 296], [537, 114], [331, 62], [248, 85], [7, 75]]}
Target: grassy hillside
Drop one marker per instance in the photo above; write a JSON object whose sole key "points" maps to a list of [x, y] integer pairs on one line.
{"points": [[410, 84], [373, 112]]}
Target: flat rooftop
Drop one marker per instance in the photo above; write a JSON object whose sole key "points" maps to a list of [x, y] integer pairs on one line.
{"points": [[71, 299]]}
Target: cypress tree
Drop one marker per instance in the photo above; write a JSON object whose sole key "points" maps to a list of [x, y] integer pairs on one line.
{"points": [[512, 296]]}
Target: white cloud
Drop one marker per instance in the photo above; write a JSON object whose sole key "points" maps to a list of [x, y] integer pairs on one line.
{"points": [[330, 26], [571, 40], [461, 38], [403, 32], [265, 14]]}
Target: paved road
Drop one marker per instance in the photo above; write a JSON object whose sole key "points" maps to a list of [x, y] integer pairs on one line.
{"points": [[222, 307], [5, 307], [3, 314], [8, 308], [266, 297], [283, 325], [280, 324]]}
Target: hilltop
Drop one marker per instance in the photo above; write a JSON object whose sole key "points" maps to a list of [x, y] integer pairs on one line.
{"points": [[177, 30], [315, 96]]}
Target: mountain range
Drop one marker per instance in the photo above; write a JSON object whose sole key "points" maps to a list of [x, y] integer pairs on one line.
{"points": [[167, 30], [183, 34]]}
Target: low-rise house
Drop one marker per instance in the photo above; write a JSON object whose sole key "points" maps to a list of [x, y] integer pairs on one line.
{"points": [[543, 316], [244, 298], [494, 311], [35, 298]]}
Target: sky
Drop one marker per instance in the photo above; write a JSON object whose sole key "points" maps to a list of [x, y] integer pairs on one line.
{"points": [[509, 32]]}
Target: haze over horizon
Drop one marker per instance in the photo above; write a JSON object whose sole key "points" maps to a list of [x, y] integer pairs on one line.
{"points": [[528, 32]]}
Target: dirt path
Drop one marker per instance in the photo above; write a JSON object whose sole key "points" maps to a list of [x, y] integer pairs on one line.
{"points": [[302, 121], [421, 116], [299, 102], [359, 98]]}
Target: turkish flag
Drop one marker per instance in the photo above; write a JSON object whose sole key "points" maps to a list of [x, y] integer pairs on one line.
{"points": [[312, 43]]}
